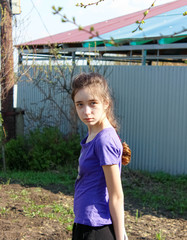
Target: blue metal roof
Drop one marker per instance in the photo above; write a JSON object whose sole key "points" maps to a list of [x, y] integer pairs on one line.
{"points": [[165, 25]]}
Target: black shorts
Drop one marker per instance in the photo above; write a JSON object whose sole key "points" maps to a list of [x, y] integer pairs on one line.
{"points": [[84, 232]]}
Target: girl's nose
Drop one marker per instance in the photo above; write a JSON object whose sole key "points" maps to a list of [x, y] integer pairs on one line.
{"points": [[87, 110]]}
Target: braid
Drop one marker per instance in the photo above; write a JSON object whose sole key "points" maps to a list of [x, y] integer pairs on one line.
{"points": [[126, 155]]}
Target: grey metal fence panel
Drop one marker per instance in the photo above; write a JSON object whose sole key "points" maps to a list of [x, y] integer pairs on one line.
{"points": [[151, 106], [150, 103], [34, 94]]}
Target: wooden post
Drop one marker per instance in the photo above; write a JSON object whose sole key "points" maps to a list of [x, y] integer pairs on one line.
{"points": [[7, 70]]}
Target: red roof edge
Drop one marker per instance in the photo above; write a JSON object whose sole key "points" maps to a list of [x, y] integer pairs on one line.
{"points": [[76, 35]]}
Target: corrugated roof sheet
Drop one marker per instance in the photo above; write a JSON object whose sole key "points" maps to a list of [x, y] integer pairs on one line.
{"points": [[158, 23], [162, 25]]}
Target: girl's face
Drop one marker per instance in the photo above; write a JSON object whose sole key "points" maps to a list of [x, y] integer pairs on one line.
{"points": [[90, 108]]}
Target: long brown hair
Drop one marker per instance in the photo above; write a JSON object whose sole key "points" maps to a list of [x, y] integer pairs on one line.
{"points": [[98, 81]]}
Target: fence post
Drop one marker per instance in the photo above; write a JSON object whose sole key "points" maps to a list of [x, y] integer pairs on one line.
{"points": [[19, 122]]}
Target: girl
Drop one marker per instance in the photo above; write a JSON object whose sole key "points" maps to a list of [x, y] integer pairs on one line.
{"points": [[98, 199]]}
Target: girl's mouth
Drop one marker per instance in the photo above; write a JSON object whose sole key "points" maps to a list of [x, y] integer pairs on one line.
{"points": [[88, 119]]}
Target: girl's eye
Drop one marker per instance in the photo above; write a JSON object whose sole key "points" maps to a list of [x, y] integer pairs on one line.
{"points": [[93, 103], [79, 104]]}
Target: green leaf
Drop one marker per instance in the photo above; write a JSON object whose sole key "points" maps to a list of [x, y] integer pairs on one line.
{"points": [[185, 13], [80, 28], [59, 9], [91, 29], [145, 13], [137, 22], [54, 8]]}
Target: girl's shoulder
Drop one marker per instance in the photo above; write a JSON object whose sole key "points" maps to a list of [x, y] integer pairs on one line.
{"points": [[108, 147], [108, 137]]}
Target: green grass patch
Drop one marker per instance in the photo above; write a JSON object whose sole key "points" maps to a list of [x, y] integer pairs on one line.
{"points": [[158, 191], [160, 236], [4, 211], [65, 176], [53, 211]]}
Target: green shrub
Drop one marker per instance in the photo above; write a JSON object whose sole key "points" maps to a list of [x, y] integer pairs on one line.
{"points": [[42, 150], [16, 154], [72, 150]]}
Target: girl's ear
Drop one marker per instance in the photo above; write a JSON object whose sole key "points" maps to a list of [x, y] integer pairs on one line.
{"points": [[106, 104]]}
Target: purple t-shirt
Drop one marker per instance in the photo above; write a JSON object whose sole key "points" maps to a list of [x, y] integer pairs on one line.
{"points": [[91, 199]]}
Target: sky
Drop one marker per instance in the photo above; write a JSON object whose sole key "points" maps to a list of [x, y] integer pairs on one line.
{"points": [[37, 20]]}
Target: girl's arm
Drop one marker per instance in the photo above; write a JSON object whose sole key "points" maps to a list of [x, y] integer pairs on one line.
{"points": [[116, 199]]}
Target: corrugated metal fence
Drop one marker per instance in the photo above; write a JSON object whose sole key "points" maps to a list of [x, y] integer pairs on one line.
{"points": [[151, 105]]}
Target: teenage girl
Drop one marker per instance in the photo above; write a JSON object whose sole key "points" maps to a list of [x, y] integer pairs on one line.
{"points": [[98, 199]]}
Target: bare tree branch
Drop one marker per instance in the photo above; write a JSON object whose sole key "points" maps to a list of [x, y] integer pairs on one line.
{"points": [[89, 4], [143, 18]]}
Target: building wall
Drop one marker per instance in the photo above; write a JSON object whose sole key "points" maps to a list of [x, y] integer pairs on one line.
{"points": [[150, 104]]}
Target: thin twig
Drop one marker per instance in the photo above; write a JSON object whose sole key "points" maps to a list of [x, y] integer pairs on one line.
{"points": [[89, 4], [142, 20]]}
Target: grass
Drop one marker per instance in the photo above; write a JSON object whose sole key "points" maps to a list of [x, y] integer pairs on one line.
{"points": [[35, 178], [66, 177], [54, 211], [4, 210], [158, 191], [160, 236]]}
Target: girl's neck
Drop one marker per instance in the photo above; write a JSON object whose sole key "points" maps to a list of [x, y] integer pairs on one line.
{"points": [[93, 131]]}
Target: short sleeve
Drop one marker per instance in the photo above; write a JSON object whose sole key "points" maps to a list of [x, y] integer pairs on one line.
{"points": [[107, 151]]}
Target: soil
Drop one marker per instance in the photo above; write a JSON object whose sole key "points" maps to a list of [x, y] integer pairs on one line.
{"points": [[21, 219]]}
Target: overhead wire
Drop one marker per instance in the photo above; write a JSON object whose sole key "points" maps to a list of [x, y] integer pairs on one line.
{"points": [[41, 19]]}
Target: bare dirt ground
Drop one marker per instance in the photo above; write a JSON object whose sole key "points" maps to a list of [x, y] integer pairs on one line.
{"points": [[38, 213]]}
